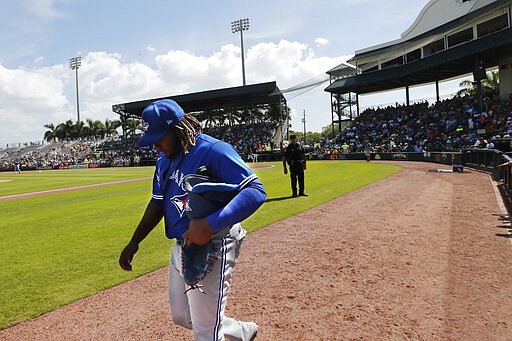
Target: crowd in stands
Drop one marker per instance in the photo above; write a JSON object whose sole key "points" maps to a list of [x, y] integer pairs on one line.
{"points": [[449, 125], [62, 154], [117, 151], [252, 138]]}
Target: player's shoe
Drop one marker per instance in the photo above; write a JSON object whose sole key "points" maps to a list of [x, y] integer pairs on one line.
{"points": [[250, 329]]}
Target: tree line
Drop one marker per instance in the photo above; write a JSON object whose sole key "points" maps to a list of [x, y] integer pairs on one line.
{"points": [[90, 128]]}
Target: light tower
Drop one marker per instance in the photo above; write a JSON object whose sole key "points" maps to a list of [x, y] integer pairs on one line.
{"points": [[74, 64], [241, 25]]}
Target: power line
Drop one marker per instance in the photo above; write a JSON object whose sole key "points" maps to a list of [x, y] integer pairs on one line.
{"points": [[307, 85]]}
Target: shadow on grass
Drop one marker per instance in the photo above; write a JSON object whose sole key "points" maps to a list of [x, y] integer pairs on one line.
{"points": [[278, 199]]}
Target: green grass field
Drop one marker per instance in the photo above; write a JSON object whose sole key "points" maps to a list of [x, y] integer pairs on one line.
{"points": [[58, 248]]}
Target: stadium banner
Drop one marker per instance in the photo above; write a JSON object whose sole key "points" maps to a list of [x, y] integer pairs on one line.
{"points": [[448, 158]]}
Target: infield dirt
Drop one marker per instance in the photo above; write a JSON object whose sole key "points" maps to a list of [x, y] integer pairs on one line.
{"points": [[416, 256]]}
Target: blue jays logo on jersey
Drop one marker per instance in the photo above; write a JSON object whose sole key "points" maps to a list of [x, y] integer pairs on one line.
{"points": [[180, 202]]}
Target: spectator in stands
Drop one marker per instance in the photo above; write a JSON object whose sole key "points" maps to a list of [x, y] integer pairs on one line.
{"points": [[367, 151], [344, 149]]}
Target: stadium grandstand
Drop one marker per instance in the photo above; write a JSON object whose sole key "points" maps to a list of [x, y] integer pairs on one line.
{"points": [[448, 40], [253, 118]]}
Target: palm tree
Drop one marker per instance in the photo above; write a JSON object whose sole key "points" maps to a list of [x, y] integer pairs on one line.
{"points": [[209, 117], [490, 84], [257, 114], [132, 126], [80, 130], [278, 113], [233, 117], [65, 130], [96, 128], [110, 127], [51, 133], [124, 124]]}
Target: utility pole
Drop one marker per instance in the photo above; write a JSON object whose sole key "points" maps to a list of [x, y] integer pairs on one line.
{"points": [[304, 122]]}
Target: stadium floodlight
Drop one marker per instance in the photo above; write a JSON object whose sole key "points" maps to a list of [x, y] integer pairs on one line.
{"points": [[241, 25], [74, 64]]}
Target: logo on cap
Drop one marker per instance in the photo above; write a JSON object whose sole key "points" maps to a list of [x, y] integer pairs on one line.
{"points": [[144, 124]]}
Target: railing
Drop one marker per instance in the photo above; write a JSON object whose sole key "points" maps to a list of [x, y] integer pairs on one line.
{"points": [[486, 160]]}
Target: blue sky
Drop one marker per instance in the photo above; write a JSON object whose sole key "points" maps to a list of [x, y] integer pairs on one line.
{"points": [[134, 50]]}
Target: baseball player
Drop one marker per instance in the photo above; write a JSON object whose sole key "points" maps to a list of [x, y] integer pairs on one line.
{"points": [[183, 149], [295, 157], [17, 169]]}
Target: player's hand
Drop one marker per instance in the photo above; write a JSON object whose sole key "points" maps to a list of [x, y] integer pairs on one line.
{"points": [[126, 257], [199, 232], [305, 167]]}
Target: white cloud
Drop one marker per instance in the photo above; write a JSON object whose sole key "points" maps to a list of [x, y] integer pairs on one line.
{"points": [[41, 88], [29, 99], [196, 73], [321, 42], [43, 8], [150, 48], [38, 60], [280, 62]]}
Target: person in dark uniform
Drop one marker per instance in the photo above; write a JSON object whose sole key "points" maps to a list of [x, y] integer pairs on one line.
{"points": [[295, 157]]}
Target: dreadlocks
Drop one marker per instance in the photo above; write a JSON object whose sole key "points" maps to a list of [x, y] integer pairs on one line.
{"points": [[186, 129]]}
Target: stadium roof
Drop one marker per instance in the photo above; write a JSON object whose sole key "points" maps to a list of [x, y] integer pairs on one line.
{"points": [[235, 97], [451, 63], [444, 8], [342, 70], [448, 63]]}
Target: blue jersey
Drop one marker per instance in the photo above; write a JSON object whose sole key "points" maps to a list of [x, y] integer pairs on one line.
{"points": [[223, 162]]}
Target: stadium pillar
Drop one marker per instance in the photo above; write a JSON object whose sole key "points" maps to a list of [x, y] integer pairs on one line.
{"points": [[357, 104], [332, 123], [505, 76], [437, 91], [350, 104], [479, 74], [407, 95]]}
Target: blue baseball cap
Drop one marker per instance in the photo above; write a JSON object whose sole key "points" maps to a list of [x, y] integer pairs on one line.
{"points": [[157, 118]]}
